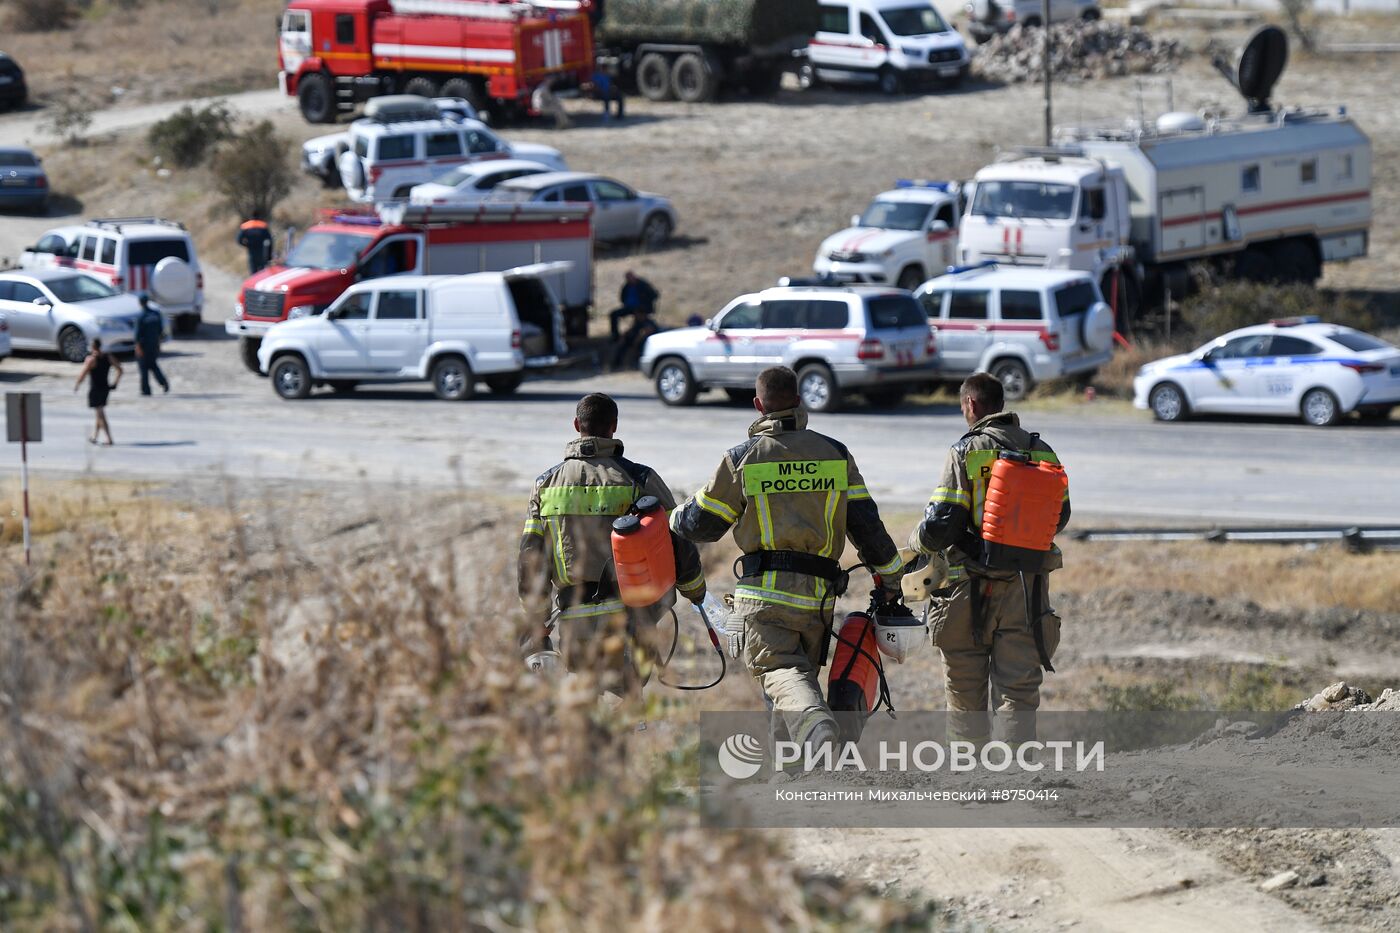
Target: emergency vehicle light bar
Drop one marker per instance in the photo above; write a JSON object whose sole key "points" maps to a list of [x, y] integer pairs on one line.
{"points": [[923, 183], [984, 264], [1295, 321]]}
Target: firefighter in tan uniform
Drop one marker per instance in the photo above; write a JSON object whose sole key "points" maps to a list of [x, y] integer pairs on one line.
{"points": [[792, 497], [980, 620], [566, 551]]}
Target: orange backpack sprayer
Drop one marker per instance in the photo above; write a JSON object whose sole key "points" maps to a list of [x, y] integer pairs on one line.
{"points": [[856, 685], [642, 554]]}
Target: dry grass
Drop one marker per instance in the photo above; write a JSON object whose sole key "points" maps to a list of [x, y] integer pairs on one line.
{"points": [[1275, 577], [235, 730], [157, 50]]}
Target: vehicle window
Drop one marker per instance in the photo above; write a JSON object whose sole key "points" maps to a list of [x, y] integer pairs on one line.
{"points": [[919, 20], [894, 215], [479, 141], [294, 21], [1075, 298], [612, 191], [743, 316], [1023, 199], [1292, 346], [345, 29], [945, 214], [575, 193], [13, 159], [933, 303], [23, 291], [150, 252], [79, 288], [362, 146], [455, 177], [397, 306], [492, 181], [1344, 174], [393, 258], [395, 147], [1241, 348], [443, 144], [967, 306], [5, 290], [1358, 342], [553, 194], [73, 248], [1094, 205], [835, 19], [356, 307], [1249, 178], [89, 247], [320, 250], [869, 30], [890, 312], [784, 314], [1020, 306], [1307, 171], [827, 315], [109, 251], [53, 243]]}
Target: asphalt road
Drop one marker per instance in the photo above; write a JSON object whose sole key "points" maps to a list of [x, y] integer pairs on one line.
{"points": [[224, 422]]}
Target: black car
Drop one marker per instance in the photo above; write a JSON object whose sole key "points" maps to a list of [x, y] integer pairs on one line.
{"points": [[13, 91]]}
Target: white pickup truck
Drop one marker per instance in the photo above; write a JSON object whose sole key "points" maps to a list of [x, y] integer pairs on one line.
{"points": [[905, 237]]}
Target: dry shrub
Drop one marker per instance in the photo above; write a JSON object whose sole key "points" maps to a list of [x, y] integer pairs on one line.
{"points": [[41, 15], [1228, 305], [214, 736]]}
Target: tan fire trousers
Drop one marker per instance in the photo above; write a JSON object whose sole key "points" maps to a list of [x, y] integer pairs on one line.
{"points": [[783, 651]]}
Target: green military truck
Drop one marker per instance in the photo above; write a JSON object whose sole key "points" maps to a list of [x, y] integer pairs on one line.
{"points": [[691, 50]]}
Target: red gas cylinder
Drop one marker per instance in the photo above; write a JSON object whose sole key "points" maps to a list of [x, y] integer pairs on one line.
{"points": [[853, 682], [1021, 511], [642, 555]]}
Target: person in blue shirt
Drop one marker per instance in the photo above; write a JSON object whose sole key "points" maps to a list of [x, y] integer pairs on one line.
{"points": [[638, 299]]}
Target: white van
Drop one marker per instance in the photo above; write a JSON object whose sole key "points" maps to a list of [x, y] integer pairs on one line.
{"points": [[889, 43], [452, 330]]}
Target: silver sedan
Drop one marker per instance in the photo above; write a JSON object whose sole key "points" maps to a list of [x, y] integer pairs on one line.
{"points": [[63, 310]]}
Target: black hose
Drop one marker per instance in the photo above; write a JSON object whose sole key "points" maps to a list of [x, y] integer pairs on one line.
{"points": [[675, 640]]}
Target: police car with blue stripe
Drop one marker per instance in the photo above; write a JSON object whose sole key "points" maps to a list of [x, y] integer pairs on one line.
{"points": [[1294, 366]]}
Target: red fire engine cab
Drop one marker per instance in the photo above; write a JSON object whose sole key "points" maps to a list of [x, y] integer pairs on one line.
{"points": [[493, 53]]}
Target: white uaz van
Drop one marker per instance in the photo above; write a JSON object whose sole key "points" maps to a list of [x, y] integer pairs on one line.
{"points": [[452, 330], [889, 43]]}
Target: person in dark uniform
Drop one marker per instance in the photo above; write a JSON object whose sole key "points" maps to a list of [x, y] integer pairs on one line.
{"points": [[150, 328], [255, 236], [98, 365]]}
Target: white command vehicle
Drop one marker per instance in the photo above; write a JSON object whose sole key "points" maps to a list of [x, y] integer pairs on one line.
{"points": [[124, 251], [1023, 326], [320, 154], [905, 237], [1294, 367], [864, 339], [386, 159], [892, 44], [1265, 197], [450, 330]]}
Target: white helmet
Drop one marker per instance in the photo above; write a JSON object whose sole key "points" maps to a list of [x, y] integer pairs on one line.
{"points": [[547, 663], [897, 632]]}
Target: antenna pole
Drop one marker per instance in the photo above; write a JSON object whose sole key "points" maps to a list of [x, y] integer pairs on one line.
{"points": [[1045, 27]]}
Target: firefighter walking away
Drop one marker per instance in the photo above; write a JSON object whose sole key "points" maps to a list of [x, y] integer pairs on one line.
{"points": [[1001, 499], [792, 497], [255, 237], [567, 578]]}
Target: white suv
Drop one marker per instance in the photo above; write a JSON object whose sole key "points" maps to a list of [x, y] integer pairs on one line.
{"points": [[124, 251], [904, 237], [385, 160], [452, 330], [871, 340], [1021, 325]]}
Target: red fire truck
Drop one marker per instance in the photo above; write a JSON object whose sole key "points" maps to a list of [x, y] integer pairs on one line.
{"points": [[493, 53], [347, 247]]}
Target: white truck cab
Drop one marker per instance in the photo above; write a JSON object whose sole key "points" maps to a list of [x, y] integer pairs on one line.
{"points": [[889, 43], [905, 236]]}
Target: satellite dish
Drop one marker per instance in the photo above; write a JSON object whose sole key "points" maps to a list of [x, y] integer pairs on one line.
{"points": [[172, 282], [1261, 64]]}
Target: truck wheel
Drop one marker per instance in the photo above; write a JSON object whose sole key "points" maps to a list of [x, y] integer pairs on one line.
{"points": [[889, 81], [472, 93], [505, 383], [315, 99], [453, 380], [1015, 379], [654, 76], [1255, 265], [817, 388], [423, 87], [248, 353], [1296, 261], [1092, 15], [1320, 408], [656, 231], [692, 79], [675, 384], [291, 379], [911, 278], [1168, 402]]}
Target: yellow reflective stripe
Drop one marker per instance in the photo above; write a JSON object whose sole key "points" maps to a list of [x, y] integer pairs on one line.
{"points": [[586, 500], [829, 514], [766, 537], [764, 594], [692, 583], [561, 572], [533, 526], [589, 610], [952, 496], [858, 492], [892, 567], [715, 507]]}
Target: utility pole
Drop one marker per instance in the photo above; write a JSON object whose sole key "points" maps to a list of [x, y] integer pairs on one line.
{"points": [[1045, 55]]}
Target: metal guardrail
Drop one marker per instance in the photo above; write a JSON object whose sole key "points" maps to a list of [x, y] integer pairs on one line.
{"points": [[1354, 537]]}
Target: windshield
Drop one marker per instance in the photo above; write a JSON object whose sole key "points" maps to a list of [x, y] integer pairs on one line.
{"points": [[1024, 199], [1358, 342], [453, 178], [893, 215], [322, 250], [17, 159], [80, 288], [914, 21]]}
